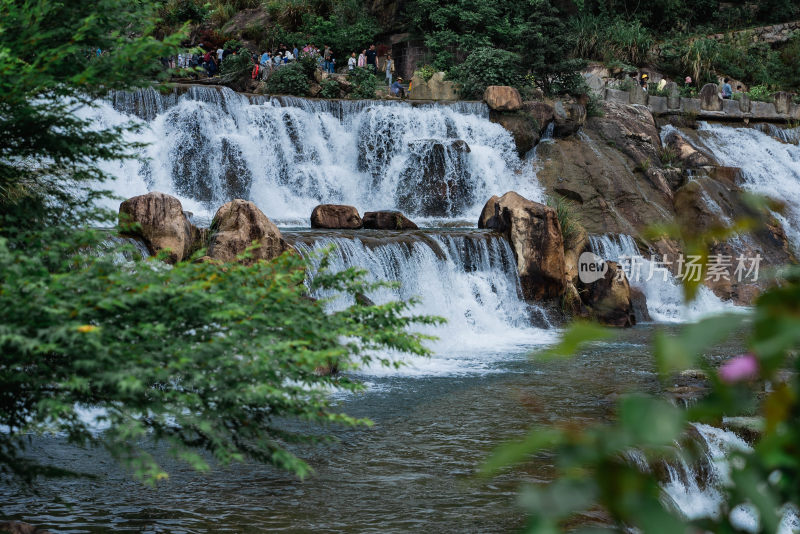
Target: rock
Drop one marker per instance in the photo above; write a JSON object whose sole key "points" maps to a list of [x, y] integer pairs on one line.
{"points": [[598, 171], [688, 155], [639, 304], [238, 224], [436, 181], [336, 216], [542, 112], [744, 103], [436, 88], [595, 83], [163, 225], [709, 98], [523, 127], [572, 252], [502, 98], [572, 304], [534, 233], [609, 298], [673, 95], [748, 428], [637, 95], [387, 220], [18, 527], [783, 102], [568, 118]]}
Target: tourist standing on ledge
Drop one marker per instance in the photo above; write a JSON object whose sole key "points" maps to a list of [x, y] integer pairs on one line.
{"points": [[372, 58], [362, 59], [389, 69], [351, 62], [727, 90]]}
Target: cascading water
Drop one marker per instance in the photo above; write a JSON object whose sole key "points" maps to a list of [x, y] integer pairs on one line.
{"points": [[696, 491], [209, 145], [770, 164], [665, 302], [469, 278]]}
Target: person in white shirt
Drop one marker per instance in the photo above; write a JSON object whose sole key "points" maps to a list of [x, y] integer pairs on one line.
{"points": [[220, 52], [351, 62]]}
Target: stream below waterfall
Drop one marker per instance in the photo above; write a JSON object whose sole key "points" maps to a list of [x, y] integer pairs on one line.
{"points": [[412, 471]]}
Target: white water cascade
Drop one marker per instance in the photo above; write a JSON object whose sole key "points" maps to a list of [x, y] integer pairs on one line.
{"points": [[665, 301], [209, 145], [469, 278], [770, 164], [695, 490]]}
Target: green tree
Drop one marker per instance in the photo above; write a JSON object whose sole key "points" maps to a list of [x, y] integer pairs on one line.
{"points": [[205, 357]]}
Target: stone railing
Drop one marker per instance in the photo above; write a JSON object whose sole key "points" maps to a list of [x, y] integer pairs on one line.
{"points": [[710, 105]]}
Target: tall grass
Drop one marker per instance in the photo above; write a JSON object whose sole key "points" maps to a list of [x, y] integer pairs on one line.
{"points": [[567, 218], [611, 39]]}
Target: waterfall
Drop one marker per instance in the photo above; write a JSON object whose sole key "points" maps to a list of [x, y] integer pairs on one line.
{"points": [[663, 291], [695, 489], [208, 145], [469, 278], [770, 164]]}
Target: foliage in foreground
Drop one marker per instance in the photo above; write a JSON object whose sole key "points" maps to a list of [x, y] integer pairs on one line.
{"points": [[205, 357], [593, 466], [220, 358]]}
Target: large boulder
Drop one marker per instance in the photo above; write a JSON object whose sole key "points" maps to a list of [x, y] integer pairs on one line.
{"points": [[236, 226], [688, 155], [436, 88], [336, 216], [542, 112], [534, 233], [162, 224], [522, 126], [387, 220], [502, 98], [609, 298], [569, 118]]}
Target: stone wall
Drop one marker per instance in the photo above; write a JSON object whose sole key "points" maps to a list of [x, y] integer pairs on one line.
{"points": [[710, 106]]}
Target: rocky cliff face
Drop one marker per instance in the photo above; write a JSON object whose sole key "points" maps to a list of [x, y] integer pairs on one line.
{"points": [[611, 170], [622, 180]]}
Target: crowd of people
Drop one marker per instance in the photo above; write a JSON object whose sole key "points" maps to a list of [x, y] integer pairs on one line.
{"points": [[270, 60]]}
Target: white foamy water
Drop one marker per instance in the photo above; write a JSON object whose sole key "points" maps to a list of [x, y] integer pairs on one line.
{"points": [[664, 293], [770, 166], [209, 145], [698, 494], [469, 280]]}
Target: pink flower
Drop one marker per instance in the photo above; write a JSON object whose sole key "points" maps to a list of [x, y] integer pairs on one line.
{"points": [[743, 367]]}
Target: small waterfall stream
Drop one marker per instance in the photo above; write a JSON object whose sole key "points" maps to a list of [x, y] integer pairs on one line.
{"points": [[665, 301], [467, 277]]}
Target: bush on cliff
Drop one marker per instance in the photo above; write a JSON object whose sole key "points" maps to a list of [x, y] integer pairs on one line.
{"points": [[289, 79], [485, 67]]}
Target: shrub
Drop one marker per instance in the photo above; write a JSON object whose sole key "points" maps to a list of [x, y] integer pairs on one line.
{"points": [[289, 79], [330, 89], [485, 67], [668, 156], [178, 11], [760, 93], [236, 66], [364, 83], [425, 72], [233, 45]]}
